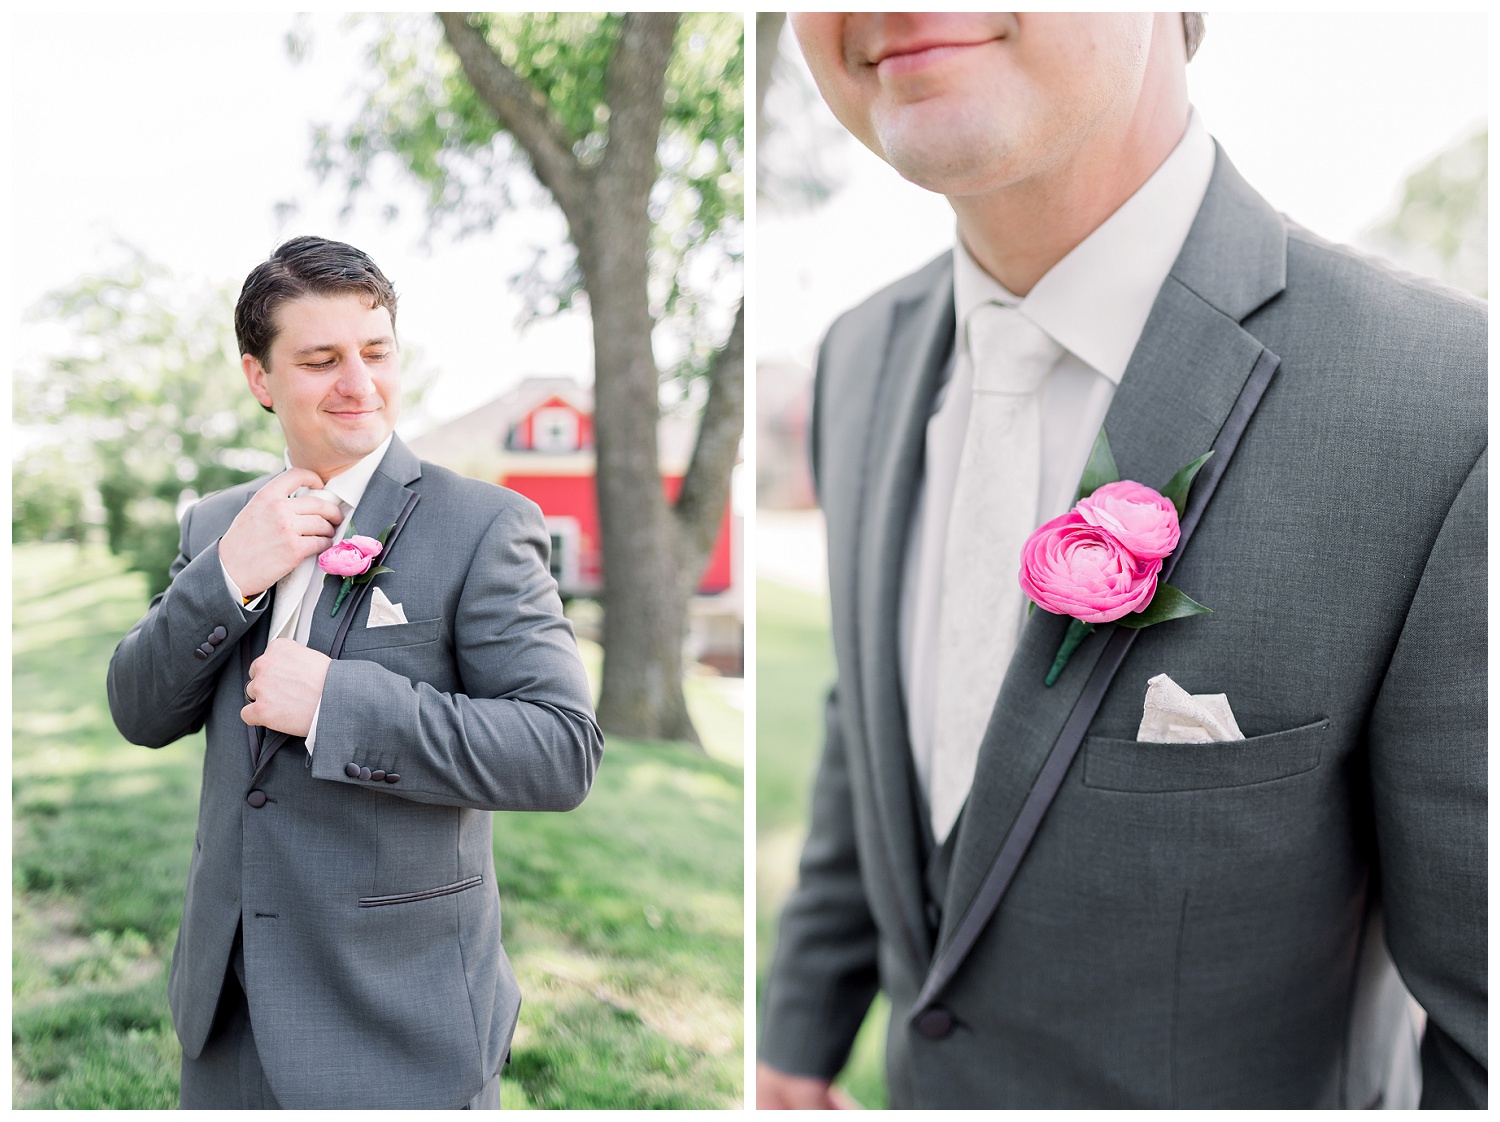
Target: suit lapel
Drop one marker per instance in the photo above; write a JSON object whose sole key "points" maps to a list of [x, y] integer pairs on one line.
{"points": [[252, 646], [918, 351], [1186, 372], [382, 503]]}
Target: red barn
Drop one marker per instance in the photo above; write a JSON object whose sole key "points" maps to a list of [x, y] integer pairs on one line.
{"points": [[538, 439]]}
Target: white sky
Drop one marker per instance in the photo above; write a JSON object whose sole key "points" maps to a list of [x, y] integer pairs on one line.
{"points": [[1323, 114]]}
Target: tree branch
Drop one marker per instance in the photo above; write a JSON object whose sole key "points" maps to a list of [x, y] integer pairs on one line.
{"points": [[634, 88], [521, 110], [705, 488]]}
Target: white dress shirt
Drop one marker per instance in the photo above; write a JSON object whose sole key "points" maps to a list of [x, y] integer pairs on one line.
{"points": [[1094, 303], [349, 485]]}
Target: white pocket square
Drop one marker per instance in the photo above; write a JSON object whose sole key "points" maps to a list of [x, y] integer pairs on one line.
{"points": [[1174, 716], [382, 612]]}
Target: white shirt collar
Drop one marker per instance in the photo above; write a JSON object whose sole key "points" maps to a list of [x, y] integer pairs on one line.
{"points": [[1094, 302], [349, 485]]}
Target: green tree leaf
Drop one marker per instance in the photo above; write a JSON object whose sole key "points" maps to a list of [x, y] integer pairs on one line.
{"points": [[1168, 603], [1177, 490], [1100, 468]]}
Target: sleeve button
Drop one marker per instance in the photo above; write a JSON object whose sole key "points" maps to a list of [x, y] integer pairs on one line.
{"points": [[377, 775], [392, 777], [351, 770], [219, 634], [364, 773]]}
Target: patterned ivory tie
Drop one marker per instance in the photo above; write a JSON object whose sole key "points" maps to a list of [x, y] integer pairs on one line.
{"points": [[296, 589], [995, 498]]}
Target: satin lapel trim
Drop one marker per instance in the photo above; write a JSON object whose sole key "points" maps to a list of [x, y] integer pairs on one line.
{"points": [[252, 646], [919, 346], [381, 505], [1183, 379]]}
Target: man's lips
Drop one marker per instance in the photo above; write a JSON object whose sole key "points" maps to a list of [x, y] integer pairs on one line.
{"points": [[907, 58]]}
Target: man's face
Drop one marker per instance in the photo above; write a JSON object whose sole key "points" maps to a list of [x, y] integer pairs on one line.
{"points": [[334, 380], [965, 103]]}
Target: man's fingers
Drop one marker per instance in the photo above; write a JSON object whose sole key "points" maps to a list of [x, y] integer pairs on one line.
{"points": [[314, 526], [288, 481]]}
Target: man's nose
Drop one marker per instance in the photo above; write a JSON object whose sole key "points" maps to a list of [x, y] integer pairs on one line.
{"points": [[355, 379]]}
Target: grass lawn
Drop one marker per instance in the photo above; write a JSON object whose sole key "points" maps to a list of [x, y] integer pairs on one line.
{"points": [[794, 669], [623, 919]]}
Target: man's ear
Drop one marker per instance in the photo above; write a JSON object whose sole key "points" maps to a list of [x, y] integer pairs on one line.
{"points": [[255, 375]]}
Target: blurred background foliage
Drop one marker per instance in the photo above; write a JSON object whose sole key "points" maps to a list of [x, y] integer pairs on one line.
{"points": [[142, 407], [1441, 225]]}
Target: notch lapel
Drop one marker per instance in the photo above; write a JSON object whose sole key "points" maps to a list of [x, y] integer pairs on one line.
{"points": [[381, 505], [916, 352], [1187, 370]]}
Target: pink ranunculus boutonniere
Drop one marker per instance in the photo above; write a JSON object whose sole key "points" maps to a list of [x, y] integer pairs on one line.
{"points": [[1099, 563], [351, 559]]}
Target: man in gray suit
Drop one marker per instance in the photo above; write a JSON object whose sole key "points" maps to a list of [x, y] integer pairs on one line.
{"points": [[1071, 909], [340, 939]]}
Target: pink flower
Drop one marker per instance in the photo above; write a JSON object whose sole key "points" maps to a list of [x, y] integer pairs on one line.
{"points": [[1142, 520], [1076, 569], [350, 557]]}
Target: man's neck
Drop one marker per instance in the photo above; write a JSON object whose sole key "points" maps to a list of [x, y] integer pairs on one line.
{"points": [[1018, 232]]}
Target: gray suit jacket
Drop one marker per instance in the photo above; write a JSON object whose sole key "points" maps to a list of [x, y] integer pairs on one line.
{"points": [[1194, 925], [371, 921]]}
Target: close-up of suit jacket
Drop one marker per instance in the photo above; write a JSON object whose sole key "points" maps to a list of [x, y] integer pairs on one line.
{"points": [[1235, 924]]}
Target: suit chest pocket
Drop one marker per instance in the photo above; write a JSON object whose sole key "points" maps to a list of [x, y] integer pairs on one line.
{"points": [[395, 635], [1129, 765]]}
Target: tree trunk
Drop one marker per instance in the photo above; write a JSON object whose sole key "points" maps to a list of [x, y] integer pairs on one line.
{"points": [[653, 554], [645, 612]]}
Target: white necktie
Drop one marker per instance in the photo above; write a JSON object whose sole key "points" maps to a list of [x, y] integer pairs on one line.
{"points": [[994, 509], [297, 592]]}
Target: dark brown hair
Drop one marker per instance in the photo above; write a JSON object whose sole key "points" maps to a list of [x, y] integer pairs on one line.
{"points": [[305, 266], [1192, 32]]}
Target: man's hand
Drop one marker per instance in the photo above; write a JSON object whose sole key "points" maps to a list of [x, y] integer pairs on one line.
{"points": [[776, 1090], [286, 684], [274, 532]]}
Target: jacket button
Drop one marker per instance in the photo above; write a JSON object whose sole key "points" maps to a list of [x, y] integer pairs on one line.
{"points": [[219, 635], [206, 649], [392, 777], [351, 770], [935, 1024], [377, 775], [199, 653], [364, 773], [256, 798]]}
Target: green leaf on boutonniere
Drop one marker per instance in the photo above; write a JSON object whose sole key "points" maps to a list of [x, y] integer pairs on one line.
{"points": [[1168, 603], [1182, 482], [1100, 468]]}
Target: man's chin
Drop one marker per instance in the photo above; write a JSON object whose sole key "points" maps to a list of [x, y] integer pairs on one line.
{"points": [[948, 160]]}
